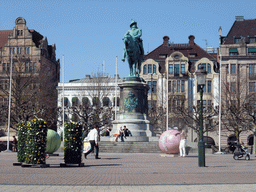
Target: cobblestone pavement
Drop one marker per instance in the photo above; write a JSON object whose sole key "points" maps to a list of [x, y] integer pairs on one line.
{"points": [[131, 172]]}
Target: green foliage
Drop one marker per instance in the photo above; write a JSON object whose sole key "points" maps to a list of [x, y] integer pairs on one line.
{"points": [[36, 141], [73, 143], [22, 134]]}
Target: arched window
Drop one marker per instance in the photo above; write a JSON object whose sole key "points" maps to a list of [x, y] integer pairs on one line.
{"points": [[95, 101], [105, 101], [74, 101], [85, 101]]}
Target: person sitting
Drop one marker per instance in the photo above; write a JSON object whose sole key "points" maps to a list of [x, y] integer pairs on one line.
{"points": [[120, 134], [127, 132]]}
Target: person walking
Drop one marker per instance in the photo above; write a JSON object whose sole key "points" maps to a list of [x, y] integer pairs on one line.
{"points": [[14, 144], [93, 138], [183, 142]]}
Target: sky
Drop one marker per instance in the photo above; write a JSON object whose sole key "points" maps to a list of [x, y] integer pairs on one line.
{"points": [[89, 33]]}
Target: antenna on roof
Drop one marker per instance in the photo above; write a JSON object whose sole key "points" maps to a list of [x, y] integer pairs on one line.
{"points": [[206, 42]]}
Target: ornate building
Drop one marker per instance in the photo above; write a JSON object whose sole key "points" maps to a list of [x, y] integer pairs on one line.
{"points": [[35, 73], [179, 61]]}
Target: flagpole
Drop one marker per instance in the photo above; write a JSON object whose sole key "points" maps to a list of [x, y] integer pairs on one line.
{"points": [[63, 109], [167, 88], [116, 90], [9, 110]]}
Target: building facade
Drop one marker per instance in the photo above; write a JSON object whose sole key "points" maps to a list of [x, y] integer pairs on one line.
{"points": [[238, 72], [95, 90], [35, 72], [170, 72]]}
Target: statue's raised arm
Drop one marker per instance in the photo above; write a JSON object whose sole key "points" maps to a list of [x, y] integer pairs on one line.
{"points": [[133, 49]]}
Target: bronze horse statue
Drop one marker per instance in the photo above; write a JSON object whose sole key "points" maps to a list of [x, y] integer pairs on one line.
{"points": [[133, 55], [133, 49]]}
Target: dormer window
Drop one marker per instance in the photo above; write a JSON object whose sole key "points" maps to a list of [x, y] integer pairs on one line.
{"points": [[192, 54], [237, 40], [252, 40]]}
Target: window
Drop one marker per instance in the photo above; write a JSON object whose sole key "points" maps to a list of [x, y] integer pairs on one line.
{"points": [[27, 50], [154, 69], [237, 40], [252, 40], [34, 68], [182, 86], [202, 65], [209, 68], [169, 86], [12, 50], [154, 87], [19, 32], [96, 101], [85, 101], [209, 105], [233, 51], [204, 104], [170, 69], [182, 68], [150, 88], [252, 86], [233, 87], [149, 68], [209, 86], [6, 67], [145, 69], [178, 86], [233, 68], [74, 101], [105, 101], [19, 50], [251, 51], [173, 86], [176, 69], [252, 70]]}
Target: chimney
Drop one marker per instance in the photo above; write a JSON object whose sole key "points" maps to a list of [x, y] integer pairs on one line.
{"points": [[166, 40], [239, 18], [191, 39]]}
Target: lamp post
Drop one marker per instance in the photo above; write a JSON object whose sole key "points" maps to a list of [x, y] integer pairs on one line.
{"points": [[201, 80]]}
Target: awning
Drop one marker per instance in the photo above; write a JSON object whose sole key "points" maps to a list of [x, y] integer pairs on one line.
{"points": [[251, 50], [233, 50]]}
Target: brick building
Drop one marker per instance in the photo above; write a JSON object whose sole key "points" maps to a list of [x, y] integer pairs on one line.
{"points": [[35, 73]]}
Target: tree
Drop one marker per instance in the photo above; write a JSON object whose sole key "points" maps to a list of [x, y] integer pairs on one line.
{"points": [[33, 93], [99, 110], [237, 110], [190, 114]]}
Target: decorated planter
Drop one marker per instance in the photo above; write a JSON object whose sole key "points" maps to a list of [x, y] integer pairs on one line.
{"points": [[73, 143], [22, 134], [36, 142]]}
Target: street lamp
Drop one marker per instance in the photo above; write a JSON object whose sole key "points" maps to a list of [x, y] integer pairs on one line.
{"points": [[201, 80]]}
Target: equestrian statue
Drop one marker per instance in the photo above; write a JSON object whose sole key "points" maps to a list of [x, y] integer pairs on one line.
{"points": [[133, 49]]}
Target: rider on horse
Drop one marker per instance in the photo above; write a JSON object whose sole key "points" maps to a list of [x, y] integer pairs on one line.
{"points": [[136, 34]]}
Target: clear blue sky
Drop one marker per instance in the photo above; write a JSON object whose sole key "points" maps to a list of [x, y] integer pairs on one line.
{"points": [[90, 32]]}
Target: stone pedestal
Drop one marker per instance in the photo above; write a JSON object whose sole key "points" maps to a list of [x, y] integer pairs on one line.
{"points": [[133, 110]]}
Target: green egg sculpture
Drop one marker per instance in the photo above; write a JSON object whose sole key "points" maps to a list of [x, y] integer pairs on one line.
{"points": [[53, 141]]}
